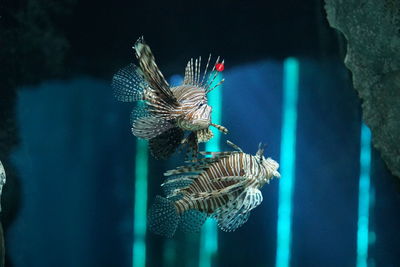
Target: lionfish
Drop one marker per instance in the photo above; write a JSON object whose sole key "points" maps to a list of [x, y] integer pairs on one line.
{"points": [[167, 111], [2, 178], [224, 186]]}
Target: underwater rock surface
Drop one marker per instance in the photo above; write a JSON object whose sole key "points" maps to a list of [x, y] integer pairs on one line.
{"points": [[372, 30]]}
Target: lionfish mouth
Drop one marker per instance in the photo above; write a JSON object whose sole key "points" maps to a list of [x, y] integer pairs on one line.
{"points": [[202, 123], [194, 124]]}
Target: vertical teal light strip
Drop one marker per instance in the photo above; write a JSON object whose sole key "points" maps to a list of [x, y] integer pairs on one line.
{"points": [[364, 197], [170, 253], [209, 234], [140, 205], [287, 161]]}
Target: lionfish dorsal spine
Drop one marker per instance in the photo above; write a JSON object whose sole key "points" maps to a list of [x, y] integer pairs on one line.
{"points": [[198, 72], [211, 82], [193, 75], [234, 146], [195, 71], [205, 71]]}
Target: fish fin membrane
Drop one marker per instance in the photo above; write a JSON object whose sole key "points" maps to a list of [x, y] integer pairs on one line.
{"points": [[192, 221], [230, 221], [163, 219], [176, 182], [151, 71], [146, 125], [236, 212], [190, 143], [128, 84], [165, 144]]}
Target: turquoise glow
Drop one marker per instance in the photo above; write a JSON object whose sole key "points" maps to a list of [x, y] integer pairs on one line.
{"points": [[287, 160], [140, 207], [170, 253], [209, 234], [364, 197]]}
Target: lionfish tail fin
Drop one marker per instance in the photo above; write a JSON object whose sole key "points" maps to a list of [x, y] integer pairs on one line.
{"points": [[163, 217], [128, 84]]}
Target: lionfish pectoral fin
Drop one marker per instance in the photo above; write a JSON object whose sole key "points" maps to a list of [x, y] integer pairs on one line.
{"points": [[170, 185], [250, 199], [236, 213], [192, 145], [148, 126], [220, 128], [229, 219], [151, 71], [165, 144], [163, 218], [128, 84]]}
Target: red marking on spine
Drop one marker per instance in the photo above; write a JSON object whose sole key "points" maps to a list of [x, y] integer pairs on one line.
{"points": [[219, 67]]}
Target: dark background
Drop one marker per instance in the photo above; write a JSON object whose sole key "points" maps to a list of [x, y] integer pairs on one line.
{"points": [[68, 152]]}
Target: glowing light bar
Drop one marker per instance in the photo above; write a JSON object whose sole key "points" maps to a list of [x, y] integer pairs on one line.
{"points": [[169, 254], [209, 234], [287, 160], [364, 197], [140, 205]]}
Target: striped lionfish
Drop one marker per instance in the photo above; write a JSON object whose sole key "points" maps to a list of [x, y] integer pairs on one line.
{"points": [[224, 186], [2, 178], [168, 111]]}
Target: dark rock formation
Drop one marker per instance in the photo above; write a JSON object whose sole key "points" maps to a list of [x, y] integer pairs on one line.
{"points": [[372, 30], [32, 49]]}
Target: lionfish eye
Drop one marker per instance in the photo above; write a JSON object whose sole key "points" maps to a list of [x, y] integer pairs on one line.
{"points": [[200, 105]]}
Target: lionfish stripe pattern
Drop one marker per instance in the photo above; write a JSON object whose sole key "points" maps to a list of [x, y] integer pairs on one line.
{"points": [[168, 109], [225, 187]]}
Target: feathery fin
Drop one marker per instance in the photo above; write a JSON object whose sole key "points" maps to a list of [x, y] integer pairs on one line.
{"points": [[165, 144], [128, 84], [163, 217], [173, 183], [229, 221], [237, 212], [151, 71], [192, 221]]}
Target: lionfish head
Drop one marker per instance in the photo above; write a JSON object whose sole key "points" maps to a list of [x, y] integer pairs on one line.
{"points": [[270, 165], [200, 115], [202, 82]]}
